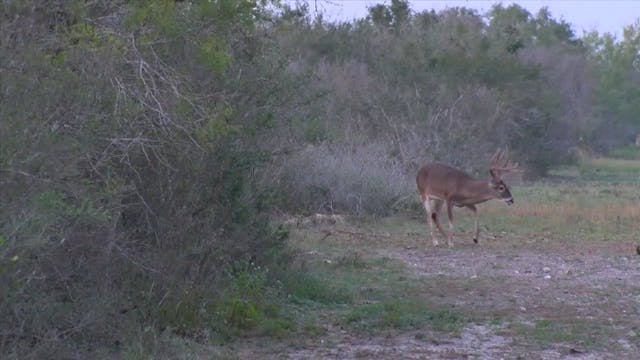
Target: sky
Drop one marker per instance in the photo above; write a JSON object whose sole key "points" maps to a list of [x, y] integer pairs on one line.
{"points": [[586, 15]]}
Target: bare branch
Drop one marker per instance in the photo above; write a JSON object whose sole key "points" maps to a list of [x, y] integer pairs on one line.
{"points": [[24, 173]]}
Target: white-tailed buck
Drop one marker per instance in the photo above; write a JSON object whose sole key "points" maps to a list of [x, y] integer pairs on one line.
{"points": [[440, 184]]}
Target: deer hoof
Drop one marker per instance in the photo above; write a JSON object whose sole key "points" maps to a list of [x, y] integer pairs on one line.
{"points": [[475, 240]]}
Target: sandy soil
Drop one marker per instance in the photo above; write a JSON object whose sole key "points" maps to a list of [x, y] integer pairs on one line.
{"points": [[594, 287]]}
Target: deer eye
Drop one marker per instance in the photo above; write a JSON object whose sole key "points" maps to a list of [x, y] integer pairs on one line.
{"points": [[501, 187]]}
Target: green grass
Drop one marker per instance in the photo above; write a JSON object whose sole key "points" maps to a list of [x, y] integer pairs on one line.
{"points": [[403, 314], [316, 287], [629, 152], [601, 170], [153, 344], [363, 290], [610, 170], [544, 332], [547, 331], [596, 200], [541, 210]]}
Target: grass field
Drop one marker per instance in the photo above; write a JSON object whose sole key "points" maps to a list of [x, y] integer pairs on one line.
{"points": [[554, 275]]}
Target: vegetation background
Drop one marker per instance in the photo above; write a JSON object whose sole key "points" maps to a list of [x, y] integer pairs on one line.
{"points": [[147, 146]]}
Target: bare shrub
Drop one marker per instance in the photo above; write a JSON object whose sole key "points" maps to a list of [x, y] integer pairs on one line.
{"points": [[359, 179], [572, 76]]}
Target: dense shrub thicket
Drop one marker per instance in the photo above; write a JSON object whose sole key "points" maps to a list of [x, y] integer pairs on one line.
{"points": [[130, 137], [451, 86], [143, 145]]}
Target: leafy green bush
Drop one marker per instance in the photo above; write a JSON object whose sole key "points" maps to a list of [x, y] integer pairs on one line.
{"points": [[127, 167]]}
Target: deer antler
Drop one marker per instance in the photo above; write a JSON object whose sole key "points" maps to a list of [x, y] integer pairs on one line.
{"points": [[500, 162]]}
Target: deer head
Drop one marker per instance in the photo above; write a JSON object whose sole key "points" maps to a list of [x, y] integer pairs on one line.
{"points": [[500, 164]]}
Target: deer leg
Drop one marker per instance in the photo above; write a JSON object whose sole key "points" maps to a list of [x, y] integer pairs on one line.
{"points": [[450, 217], [476, 230], [435, 211], [430, 214]]}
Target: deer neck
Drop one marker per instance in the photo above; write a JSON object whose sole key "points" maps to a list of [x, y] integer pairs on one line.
{"points": [[479, 191]]}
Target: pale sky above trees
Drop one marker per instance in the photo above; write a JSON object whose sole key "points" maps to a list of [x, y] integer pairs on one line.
{"points": [[603, 16]]}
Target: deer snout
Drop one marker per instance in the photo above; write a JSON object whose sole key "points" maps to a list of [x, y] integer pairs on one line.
{"points": [[509, 201]]}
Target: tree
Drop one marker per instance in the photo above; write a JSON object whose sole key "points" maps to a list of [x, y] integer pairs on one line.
{"points": [[618, 90], [393, 15], [511, 26]]}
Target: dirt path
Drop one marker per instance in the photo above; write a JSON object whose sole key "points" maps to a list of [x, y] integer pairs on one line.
{"points": [[580, 281], [537, 298], [553, 300], [594, 288]]}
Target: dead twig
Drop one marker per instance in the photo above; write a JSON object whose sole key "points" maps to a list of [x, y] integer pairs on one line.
{"points": [[24, 173], [329, 232]]}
